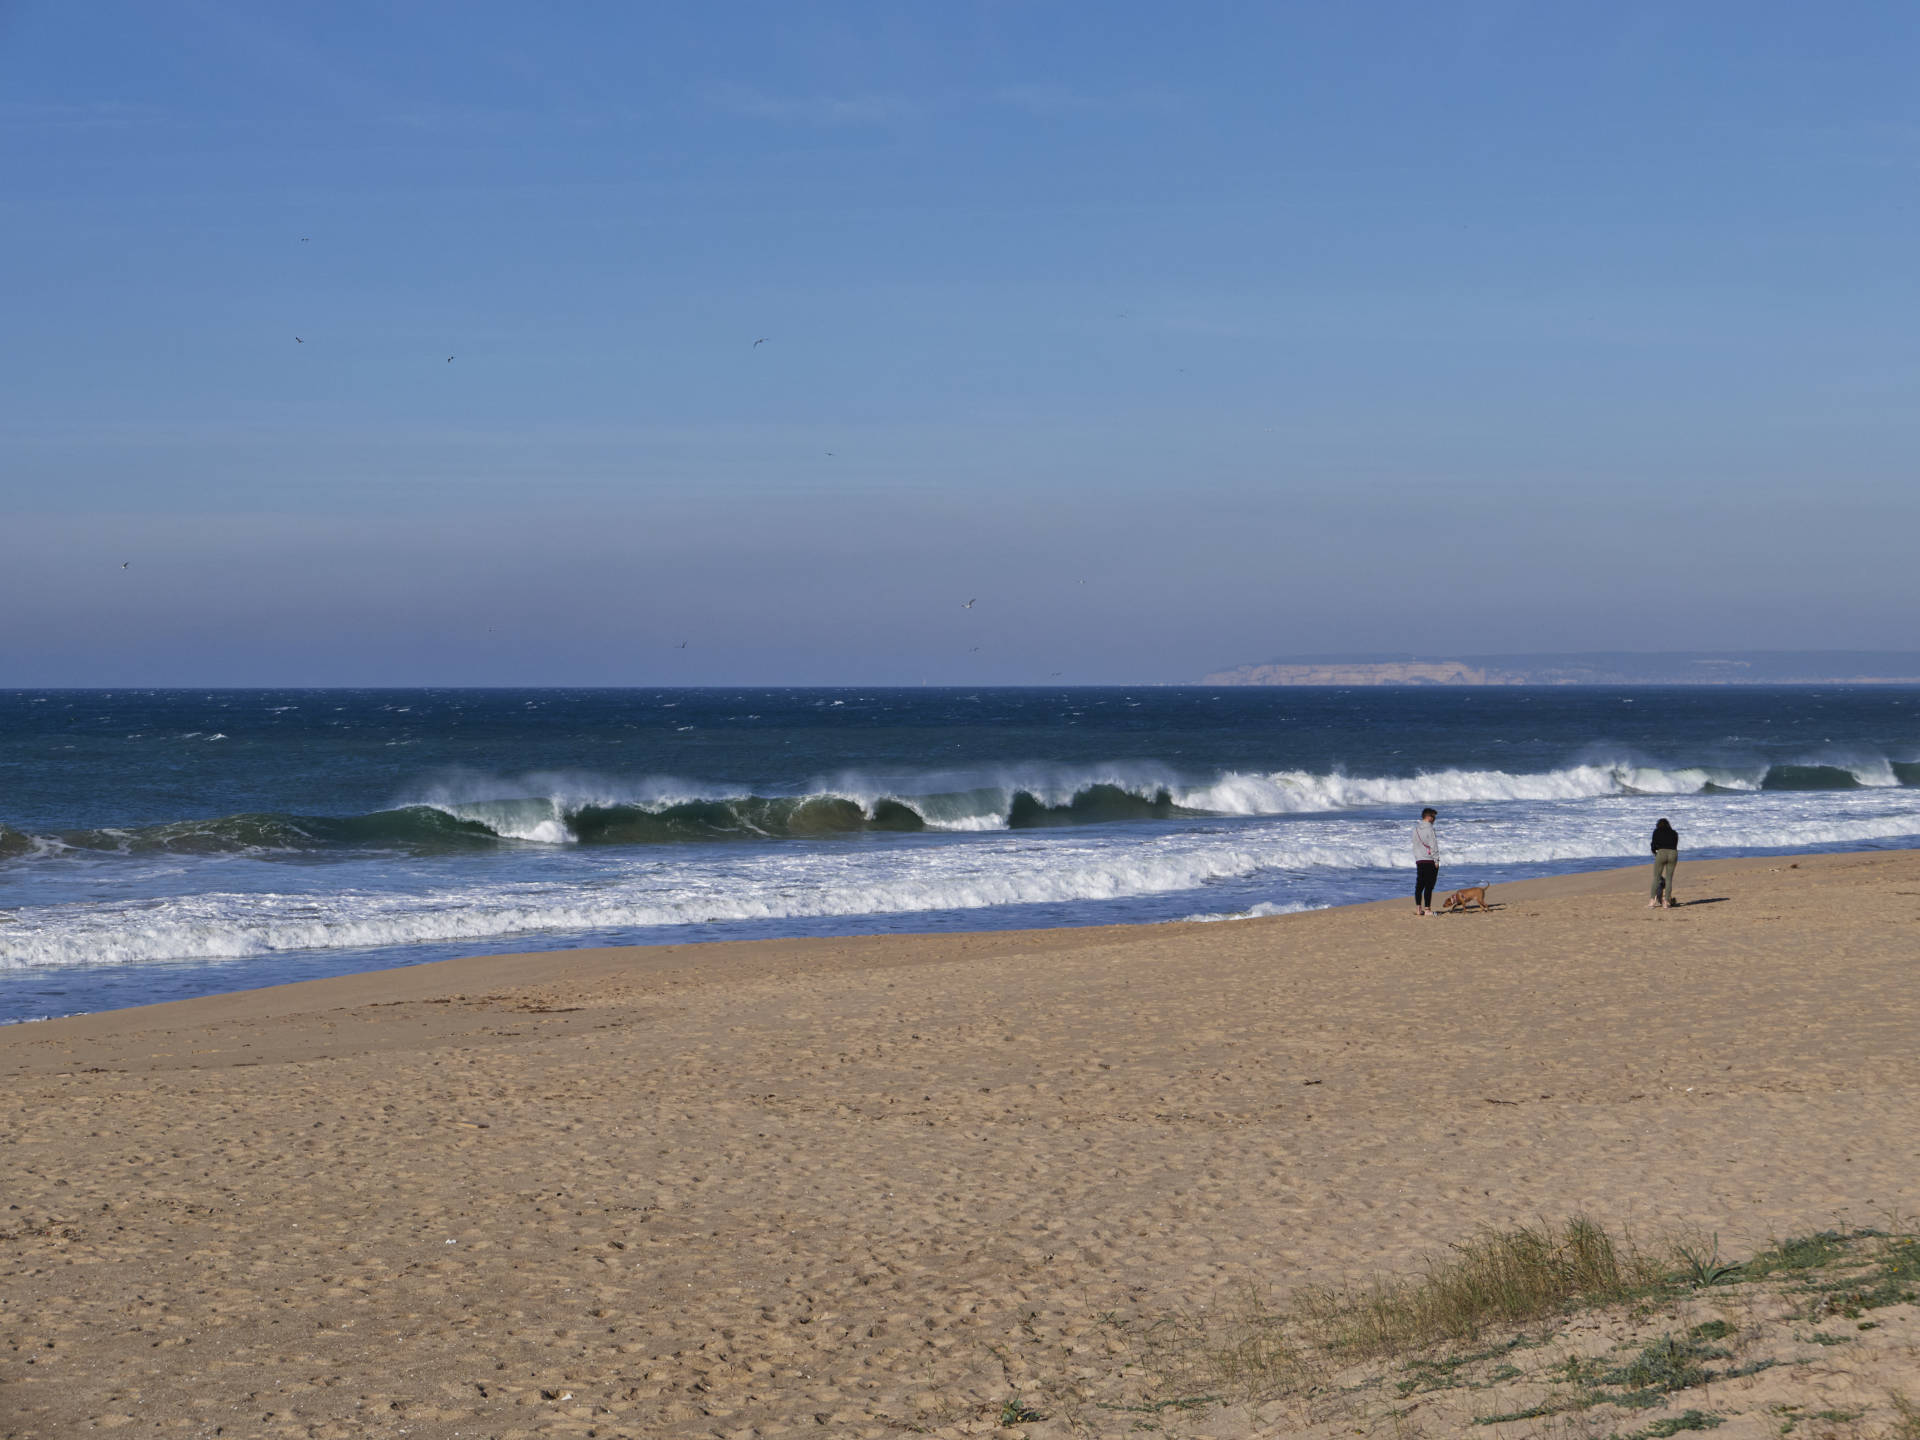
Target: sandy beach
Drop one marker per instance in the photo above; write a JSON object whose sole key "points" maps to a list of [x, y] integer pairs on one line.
{"points": [[923, 1184]]}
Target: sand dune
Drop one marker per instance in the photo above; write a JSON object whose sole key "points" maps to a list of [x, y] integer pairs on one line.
{"points": [[869, 1186]]}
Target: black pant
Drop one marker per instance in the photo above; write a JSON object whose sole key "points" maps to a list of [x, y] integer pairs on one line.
{"points": [[1426, 874]]}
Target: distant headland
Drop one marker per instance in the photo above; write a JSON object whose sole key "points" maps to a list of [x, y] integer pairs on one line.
{"points": [[1686, 667]]}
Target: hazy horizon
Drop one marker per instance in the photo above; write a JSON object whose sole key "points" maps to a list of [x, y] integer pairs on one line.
{"points": [[1170, 341], [1895, 668]]}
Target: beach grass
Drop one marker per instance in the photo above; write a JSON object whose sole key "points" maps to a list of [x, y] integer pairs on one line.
{"points": [[1491, 1325], [1499, 1277]]}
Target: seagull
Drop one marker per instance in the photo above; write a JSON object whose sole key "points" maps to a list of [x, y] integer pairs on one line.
{"points": [[829, 454], [975, 648], [969, 604], [1056, 672], [298, 341], [449, 359], [125, 563], [761, 341], [681, 646]]}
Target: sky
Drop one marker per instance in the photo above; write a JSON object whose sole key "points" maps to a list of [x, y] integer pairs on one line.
{"points": [[490, 344]]}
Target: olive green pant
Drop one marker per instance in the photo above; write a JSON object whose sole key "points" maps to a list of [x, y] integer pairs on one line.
{"points": [[1665, 862]]}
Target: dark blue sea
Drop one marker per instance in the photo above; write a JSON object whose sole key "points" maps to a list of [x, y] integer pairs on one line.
{"points": [[161, 844]]}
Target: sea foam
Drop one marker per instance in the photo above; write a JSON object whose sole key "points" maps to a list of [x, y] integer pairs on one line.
{"points": [[951, 874]]}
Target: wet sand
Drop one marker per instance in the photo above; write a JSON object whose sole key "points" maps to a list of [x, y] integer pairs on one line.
{"points": [[873, 1186]]}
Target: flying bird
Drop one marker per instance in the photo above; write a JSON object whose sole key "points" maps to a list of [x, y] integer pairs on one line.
{"points": [[298, 341], [968, 605], [761, 341], [449, 359], [125, 563], [975, 648], [681, 646]]}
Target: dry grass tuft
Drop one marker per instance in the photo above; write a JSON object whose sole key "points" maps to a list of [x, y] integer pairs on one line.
{"points": [[1257, 1357], [1501, 1277], [1481, 1334]]}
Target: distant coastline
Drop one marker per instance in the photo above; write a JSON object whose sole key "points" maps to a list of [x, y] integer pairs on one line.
{"points": [[1761, 667]]}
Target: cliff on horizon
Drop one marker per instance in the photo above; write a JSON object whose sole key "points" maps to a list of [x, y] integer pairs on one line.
{"points": [[1779, 667]]}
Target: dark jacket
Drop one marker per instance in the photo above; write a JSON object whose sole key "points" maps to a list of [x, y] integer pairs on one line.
{"points": [[1665, 837]]}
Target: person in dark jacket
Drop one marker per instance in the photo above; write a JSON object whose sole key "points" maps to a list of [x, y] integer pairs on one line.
{"points": [[1666, 859]]}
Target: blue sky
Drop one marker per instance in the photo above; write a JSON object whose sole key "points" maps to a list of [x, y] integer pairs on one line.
{"points": [[1177, 337]]}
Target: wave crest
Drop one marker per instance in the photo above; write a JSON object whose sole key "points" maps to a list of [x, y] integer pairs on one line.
{"points": [[476, 811], [235, 925]]}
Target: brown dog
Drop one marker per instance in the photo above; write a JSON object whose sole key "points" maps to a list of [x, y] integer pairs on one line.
{"points": [[1460, 899]]}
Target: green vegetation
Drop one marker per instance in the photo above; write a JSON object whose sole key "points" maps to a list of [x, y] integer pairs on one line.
{"points": [[1511, 1313], [1808, 1252], [1674, 1424], [1670, 1363], [1018, 1412], [1701, 1265], [1184, 1402], [1534, 1412], [1448, 1372]]}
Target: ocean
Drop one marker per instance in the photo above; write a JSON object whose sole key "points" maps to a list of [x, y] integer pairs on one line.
{"points": [[156, 845]]}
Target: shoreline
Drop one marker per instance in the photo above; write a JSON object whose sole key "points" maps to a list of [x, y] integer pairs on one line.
{"points": [[728, 1188], [600, 959]]}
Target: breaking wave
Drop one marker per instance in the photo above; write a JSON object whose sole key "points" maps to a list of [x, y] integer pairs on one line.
{"points": [[782, 886], [475, 813]]}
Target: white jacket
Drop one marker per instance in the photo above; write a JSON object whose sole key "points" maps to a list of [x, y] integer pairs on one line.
{"points": [[1426, 845]]}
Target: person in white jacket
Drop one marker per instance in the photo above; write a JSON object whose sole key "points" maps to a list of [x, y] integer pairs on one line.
{"points": [[1426, 862]]}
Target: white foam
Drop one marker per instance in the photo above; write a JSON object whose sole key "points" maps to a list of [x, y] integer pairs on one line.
{"points": [[229, 925], [535, 807], [1292, 792], [631, 888], [1874, 774], [541, 821], [1252, 912]]}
